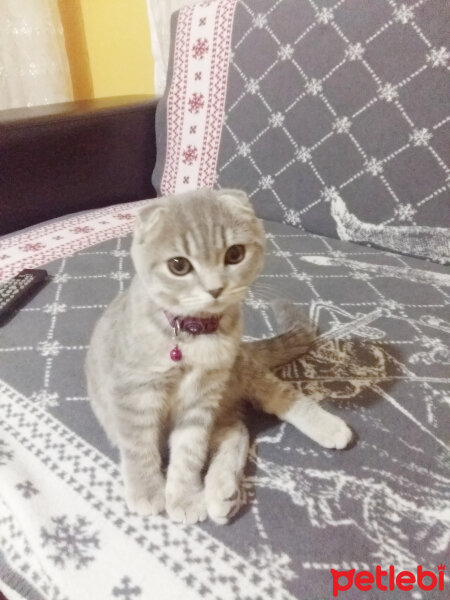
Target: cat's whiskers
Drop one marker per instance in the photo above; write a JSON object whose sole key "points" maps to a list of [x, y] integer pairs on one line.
{"points": [[259, 285], [262, 295], [268, 292], [198, 301], [239, 291]]}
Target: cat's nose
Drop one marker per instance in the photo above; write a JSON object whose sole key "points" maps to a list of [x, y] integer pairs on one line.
{"points": [[216, 293]]}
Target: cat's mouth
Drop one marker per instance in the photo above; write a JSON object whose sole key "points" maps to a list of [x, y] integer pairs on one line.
{"points": [[213, 306]]}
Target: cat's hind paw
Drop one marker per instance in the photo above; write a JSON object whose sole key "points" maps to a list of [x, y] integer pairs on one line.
{"points": [[223, 498], [330, 432]]}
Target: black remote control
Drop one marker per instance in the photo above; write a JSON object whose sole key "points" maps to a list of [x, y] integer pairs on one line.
{"points": [[18, 290]]}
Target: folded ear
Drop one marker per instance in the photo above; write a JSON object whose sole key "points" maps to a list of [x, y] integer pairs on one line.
{"points": [[238, 198], [150, 219]]}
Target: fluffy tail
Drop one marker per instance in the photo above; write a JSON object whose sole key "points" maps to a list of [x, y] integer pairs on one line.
{"points": [[298, 335]]}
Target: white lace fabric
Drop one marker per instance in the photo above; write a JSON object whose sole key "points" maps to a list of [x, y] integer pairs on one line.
{"points": [[34, 68]]}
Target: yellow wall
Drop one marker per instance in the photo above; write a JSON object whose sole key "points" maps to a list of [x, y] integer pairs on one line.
{"points": [[111, 56], [76, 46]]}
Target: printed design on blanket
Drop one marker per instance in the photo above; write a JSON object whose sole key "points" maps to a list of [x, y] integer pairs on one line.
{"points": [[319, 110], [431, 242], [196, 95], [416, 275], [380, 360], [334, 498], [346, 123], [72, 542], [78, 525], [48, 242]]}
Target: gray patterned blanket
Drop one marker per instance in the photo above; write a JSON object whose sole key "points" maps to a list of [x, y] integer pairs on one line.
{"points": [[332, 116], [381, 360]]}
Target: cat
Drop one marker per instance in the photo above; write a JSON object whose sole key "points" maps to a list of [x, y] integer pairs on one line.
{"points": [[195, 255]]}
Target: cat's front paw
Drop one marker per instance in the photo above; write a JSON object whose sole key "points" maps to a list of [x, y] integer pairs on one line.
{"points": [[330, 432], [223, 497], [186, 505], [145, 505]]}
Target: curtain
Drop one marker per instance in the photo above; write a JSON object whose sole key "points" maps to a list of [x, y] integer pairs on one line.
{"points": [[33, 61], [159, 12]]}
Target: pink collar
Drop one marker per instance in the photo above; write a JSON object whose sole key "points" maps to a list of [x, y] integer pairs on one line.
{"points": [[193, 325]]}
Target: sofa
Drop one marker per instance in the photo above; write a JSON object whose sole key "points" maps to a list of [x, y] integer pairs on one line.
{"points": [[334, 119]]}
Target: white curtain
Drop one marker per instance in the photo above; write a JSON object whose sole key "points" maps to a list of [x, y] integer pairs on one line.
{"points": [[159, 12], [33, 61]]}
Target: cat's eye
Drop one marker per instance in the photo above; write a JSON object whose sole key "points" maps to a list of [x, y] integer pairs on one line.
{"points": [[179, 265], [235, 254]]}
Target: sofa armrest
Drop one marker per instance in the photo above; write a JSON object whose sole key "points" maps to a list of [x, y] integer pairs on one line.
{"points": [[67, 157]]}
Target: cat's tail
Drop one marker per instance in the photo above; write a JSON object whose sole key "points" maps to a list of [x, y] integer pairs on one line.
{"points": [[295, 340]]}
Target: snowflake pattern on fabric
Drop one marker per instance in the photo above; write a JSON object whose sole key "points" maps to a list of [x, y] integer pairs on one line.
{"points": [[420, 137], [404, 14], [260, 21], [314, 87], [388, 92], [126, 590], [325, 15], [190, 155], [276, 120], [303, 154], [200, 48], [266, 182], [72, 542], [355, 51], [27, 489], [196, 102], [55, 308], [49, 348], [252, 86], [243, 149], [438, 57], [342, 125], [405, 212], [292, 217], [374, 166], [285, 52]]}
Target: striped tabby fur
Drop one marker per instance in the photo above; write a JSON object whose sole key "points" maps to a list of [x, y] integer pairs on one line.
{"points": [[143, 399]]}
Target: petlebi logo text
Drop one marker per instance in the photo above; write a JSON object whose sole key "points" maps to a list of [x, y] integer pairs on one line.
{"points": [[388, 580]]}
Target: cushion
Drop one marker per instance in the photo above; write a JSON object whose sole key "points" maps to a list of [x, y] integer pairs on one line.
{"points": [[333, 119], [380, 360]]}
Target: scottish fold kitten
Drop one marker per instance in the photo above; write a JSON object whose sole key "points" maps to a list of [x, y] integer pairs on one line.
{"points": [[195, 254]]}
